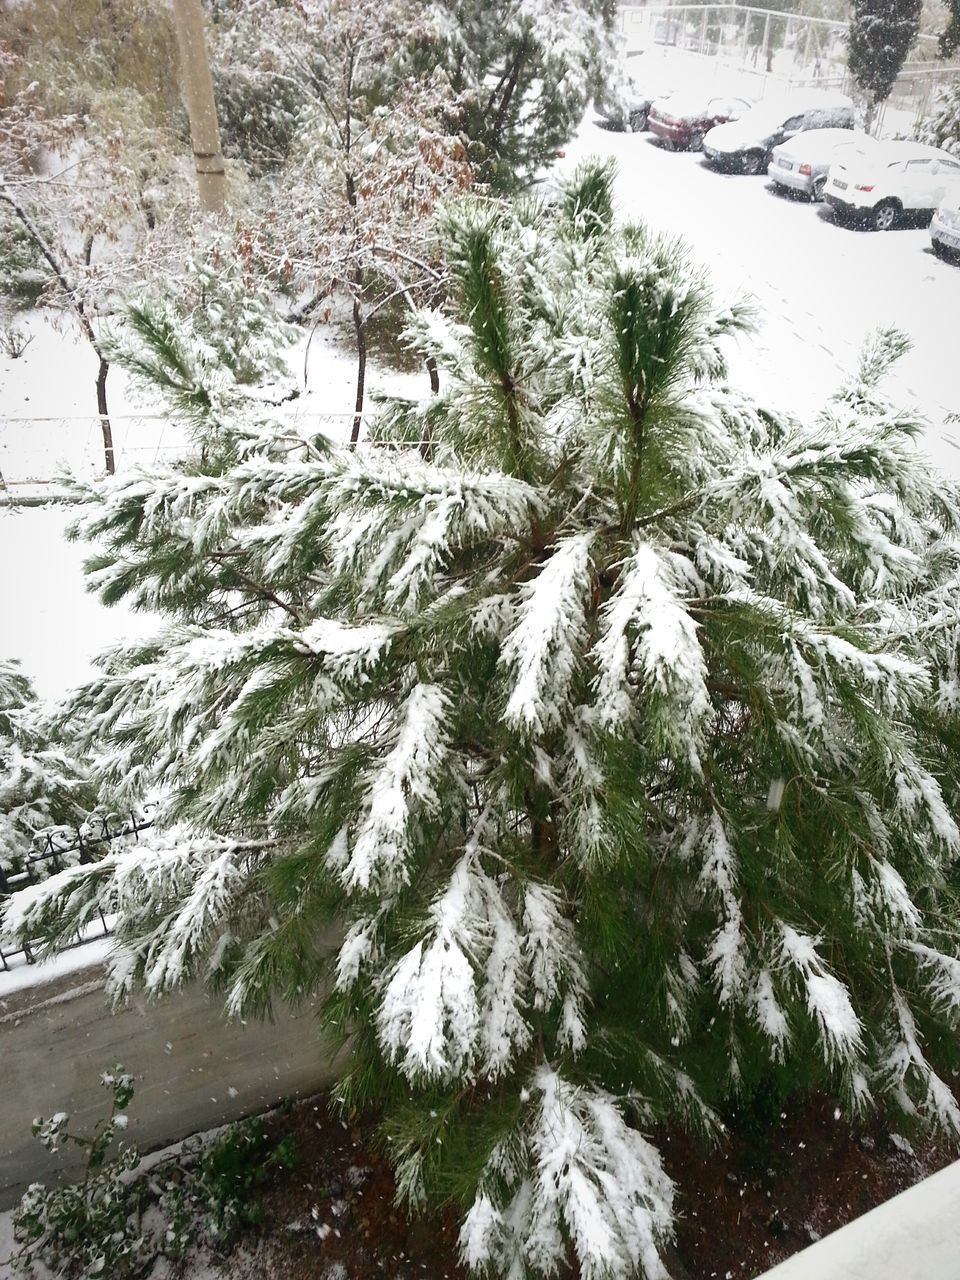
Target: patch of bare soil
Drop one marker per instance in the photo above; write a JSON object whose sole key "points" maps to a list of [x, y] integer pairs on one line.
{"points": [[745, 1206]]}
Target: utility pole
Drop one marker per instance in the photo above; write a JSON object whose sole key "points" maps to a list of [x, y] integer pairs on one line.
{"points": [[197, 86]]}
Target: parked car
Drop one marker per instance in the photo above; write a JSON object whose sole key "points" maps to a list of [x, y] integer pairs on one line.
{"points": [[626, 109], [744, 145], [892, 182], [802, 163], [684, 119], [945, 229]]}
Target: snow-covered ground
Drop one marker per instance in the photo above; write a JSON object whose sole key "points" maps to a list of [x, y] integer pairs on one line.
{"points": [[49, 404], [48, 620], [20, 974]]}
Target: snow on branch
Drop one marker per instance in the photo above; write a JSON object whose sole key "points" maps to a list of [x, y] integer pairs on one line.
{"points": [[404, 785], [906, 1066], [544, 646], [593, 1180], [827, 999], [649, 637]]}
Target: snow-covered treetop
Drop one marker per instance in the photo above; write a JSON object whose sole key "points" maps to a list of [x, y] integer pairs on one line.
{"points": [[523, 72], [591, 731]]}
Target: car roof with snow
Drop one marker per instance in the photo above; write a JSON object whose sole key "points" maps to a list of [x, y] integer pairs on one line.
{"points": [[892, 152], [815, 139], [804, 99]]}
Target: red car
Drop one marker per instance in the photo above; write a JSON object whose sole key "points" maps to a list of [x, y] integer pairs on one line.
{"points": [[682, 120]]}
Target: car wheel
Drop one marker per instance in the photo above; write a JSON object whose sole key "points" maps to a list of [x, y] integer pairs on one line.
{"points": [[752, 162], [638, 121], [695, 141], [819, 186], [884, 215], [941, 250]]}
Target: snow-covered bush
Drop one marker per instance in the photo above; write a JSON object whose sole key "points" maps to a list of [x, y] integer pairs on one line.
{"points": [[590, 737], [258, 99], [91, 1227], [41, 784], [210, 334], [203, 1192], [941, 128]]}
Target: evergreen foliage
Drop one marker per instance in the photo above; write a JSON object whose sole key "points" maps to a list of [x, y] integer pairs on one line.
{"points": [[881, 35], [23, 273], [950, 35], [942, 127], [41, 785], [523, 72], [591, 734], [212, 332]]}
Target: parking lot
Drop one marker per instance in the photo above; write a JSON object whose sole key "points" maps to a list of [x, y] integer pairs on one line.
{"points": [[820, 287]]}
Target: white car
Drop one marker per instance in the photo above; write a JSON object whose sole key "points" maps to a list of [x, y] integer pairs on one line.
{"points": [[802, 163], [891, 182], [945, 229]]}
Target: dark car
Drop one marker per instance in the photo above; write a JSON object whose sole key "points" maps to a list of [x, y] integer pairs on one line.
{"points": [[683, 120], [625, 108], [744, 146]]}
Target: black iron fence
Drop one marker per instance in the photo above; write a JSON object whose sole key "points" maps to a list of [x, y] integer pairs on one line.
{"points": [[60, 847]]}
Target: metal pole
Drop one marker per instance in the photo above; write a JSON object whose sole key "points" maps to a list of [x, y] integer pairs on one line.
{"points": [[197, 86]]}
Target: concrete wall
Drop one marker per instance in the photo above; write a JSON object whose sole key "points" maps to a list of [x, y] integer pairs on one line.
{"points": [[914, 1236], [193, 1068]]}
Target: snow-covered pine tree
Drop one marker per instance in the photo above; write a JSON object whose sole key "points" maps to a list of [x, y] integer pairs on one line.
{"points": [[41, 786], [941, 128], [881, 35], [592, 735], [523, 72], [950, 35]]}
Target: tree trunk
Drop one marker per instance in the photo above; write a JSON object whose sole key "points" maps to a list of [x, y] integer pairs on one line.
{"points": [[197, 86], [105, 426], [426, 439], [505, 101], [76, 300], [358, 325]]}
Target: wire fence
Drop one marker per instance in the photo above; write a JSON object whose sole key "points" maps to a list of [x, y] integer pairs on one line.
{"points": [[36, 451], [767, 51], [60, 847]]}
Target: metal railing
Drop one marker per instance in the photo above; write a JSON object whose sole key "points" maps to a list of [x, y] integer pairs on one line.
{"points": [[790, 49], [59, 847], [34, 450]]}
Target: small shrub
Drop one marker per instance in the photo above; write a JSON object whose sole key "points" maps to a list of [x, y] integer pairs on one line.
{"points": [[941, 128], [92, 1227], [206, 1193], [215, 1196], [13, 341]]}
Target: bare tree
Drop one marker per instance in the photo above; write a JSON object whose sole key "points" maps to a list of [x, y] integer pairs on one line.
{"points": [[349, 212], [88, 197]]}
